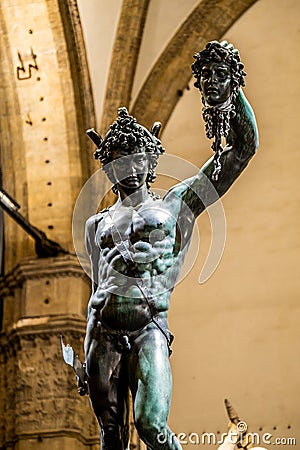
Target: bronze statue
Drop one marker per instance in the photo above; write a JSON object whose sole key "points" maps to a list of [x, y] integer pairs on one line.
{"points": [[137, 247]]}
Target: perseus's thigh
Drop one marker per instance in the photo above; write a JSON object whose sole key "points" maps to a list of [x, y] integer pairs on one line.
{"points": [[107, 378], [150, 376]]}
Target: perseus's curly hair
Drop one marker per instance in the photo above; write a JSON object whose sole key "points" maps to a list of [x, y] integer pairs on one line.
{"points": [[220, 52], [129, 136]]}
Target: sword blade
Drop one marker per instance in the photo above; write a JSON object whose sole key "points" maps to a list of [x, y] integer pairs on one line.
{"points": [[68, 353]]}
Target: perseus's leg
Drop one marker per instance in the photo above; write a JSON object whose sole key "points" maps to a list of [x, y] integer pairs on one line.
{"points": [[108, 389], [150, 381]]}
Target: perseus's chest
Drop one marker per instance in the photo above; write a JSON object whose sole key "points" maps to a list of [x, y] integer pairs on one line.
{"points": [[150, 223]]}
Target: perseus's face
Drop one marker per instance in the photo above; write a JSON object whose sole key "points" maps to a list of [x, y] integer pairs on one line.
{"points": [[215, 83], [130, 171]]}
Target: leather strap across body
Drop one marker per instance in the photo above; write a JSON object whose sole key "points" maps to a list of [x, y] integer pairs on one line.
{"points": [[140, 283]]}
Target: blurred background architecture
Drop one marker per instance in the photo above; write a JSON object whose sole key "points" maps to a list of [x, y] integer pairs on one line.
{"points": [[66, 66]]}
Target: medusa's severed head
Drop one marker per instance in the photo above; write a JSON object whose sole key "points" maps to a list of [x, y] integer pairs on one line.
{"points": [[219, 72], [126, 138]]}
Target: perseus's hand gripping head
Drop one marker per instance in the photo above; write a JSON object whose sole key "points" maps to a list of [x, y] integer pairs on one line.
{"points": [[219, 75], [131, 137]]}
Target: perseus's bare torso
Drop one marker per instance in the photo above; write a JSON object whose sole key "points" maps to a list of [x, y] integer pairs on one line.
{"points": [[150, 251]]}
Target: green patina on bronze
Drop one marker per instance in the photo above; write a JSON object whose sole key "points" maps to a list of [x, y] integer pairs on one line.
{"points": [[137, 248]]}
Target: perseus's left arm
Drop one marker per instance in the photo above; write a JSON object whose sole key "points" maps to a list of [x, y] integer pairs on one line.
{"points": [[200, 191], [242, 142]]}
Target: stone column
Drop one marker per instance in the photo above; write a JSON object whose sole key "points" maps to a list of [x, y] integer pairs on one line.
{"points": [[40, 406], [45, 109]]}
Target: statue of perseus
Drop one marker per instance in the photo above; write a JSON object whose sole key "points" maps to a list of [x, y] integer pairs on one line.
{"points": [[137, 247]]}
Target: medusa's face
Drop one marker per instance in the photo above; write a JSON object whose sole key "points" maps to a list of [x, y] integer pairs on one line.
{"points": [[215, 82]]}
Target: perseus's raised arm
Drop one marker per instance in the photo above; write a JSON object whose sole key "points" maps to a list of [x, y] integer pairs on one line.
{"points": [[231, 121], [200, 191]]}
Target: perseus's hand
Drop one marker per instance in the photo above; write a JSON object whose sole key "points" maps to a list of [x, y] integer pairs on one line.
{"points": [[82, 387]]}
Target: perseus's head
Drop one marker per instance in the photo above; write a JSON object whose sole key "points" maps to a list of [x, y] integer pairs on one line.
{"points": [[129, 152], [219, 72]]}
